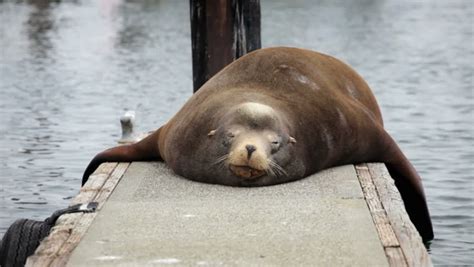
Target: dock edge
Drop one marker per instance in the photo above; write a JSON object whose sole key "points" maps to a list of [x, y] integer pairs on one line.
{"points": [[401, 241], [402, 244]]}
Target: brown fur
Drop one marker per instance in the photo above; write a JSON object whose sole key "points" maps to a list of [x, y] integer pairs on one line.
{"points": [[313, 112]]}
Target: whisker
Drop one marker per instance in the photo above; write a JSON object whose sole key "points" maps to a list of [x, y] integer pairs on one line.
{"points": [[221, 165], [220, 161], [282, 170], [277, 169], [270, 171], [270, 165]]}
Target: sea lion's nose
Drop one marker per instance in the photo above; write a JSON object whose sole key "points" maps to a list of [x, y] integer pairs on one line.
{"points": [[250, 150]]}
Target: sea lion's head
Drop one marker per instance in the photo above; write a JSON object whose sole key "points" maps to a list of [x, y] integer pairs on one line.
{"points": [[254, 147]]}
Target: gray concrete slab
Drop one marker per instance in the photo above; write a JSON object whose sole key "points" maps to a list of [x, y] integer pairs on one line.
{"points": [[157, 218]]}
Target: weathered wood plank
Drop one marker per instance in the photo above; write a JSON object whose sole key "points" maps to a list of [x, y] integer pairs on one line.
{"points": [[379, 216], [95, 182], [410, 241], [111, 183], [395, 257], [86, 220], [82, 222], [55, 249], [50, 246]]}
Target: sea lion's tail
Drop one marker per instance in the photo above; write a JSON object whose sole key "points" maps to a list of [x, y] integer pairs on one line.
{"points": [[145, 150]]}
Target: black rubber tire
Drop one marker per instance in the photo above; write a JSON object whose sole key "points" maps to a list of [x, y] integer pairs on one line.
{"points": [[21, 240], [24, 236]]}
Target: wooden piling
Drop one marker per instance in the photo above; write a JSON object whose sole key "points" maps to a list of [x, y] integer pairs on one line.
{"points": [[221, 32]]}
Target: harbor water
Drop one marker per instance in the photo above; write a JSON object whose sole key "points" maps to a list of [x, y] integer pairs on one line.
{"points": [[70, 69]]}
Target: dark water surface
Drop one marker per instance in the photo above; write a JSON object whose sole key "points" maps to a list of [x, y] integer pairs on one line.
{"points": [[69, 69]]}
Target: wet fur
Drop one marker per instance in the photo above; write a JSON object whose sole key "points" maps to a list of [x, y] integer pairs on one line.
{"points": [[320, 101]]}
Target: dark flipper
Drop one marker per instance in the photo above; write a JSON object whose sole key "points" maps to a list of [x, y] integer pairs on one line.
{"points": [[145, 150], [409, 184]]}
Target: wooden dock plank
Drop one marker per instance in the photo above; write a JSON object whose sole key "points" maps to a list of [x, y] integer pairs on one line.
{"points": [[95, 182], [410, 241], [402, 243], [55, 249], [395, 257], [86, 219], [379, 216]]}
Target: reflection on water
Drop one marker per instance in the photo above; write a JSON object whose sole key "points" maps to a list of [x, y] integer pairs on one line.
{"points": [[69, 69], [39, 25]]}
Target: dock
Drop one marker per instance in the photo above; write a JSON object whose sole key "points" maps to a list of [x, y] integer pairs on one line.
{"points": [[147, 216]]}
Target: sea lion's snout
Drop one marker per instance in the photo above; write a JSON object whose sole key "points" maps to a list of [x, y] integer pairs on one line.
{"points": [[247, 162], [248, 158]]}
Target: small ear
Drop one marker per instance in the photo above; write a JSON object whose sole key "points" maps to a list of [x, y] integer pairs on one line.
{"points": [[292, 140], [211, 133]]}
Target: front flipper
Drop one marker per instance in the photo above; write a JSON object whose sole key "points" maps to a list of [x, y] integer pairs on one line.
{"points": [[144, 150], [409, 184]]}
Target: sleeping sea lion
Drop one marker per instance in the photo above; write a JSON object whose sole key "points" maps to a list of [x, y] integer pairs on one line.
{"points": [[273, 116]]}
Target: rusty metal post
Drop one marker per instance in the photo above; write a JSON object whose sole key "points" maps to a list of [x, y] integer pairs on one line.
{"points": [[221, 32]]}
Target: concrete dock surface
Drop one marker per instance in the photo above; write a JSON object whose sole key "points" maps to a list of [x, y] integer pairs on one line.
{"points": [[154, 217]]}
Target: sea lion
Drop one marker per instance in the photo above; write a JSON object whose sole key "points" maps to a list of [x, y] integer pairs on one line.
{"points": [[277, 115]]}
